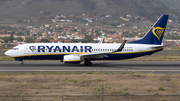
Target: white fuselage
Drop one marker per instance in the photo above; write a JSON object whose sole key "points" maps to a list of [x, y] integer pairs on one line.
{"points": [[58, 50]]}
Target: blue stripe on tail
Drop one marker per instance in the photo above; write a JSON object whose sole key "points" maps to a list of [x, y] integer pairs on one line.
{"points": [[156, 33]]}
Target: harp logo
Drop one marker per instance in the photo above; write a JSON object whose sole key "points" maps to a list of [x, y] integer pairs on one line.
{"points": [[158, 31], [32, 48]]}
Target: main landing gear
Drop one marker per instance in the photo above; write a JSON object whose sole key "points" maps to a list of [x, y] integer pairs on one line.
{"points": [[87, 62]]}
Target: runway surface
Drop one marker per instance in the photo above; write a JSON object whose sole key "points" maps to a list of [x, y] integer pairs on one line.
{"points": [[2, 53], [103, 66]]}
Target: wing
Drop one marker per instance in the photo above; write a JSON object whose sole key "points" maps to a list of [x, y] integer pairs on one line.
{"points": [[102, 54]]}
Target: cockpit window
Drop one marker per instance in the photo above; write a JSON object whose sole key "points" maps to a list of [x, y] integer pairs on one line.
{"points": [[15, 48]]}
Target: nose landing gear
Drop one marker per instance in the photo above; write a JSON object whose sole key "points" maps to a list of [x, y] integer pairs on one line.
{"points": [[22, 63]]}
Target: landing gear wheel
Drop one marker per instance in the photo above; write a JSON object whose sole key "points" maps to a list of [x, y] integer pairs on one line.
{"points": [[22, 64], [85, 63], [88, 63]]}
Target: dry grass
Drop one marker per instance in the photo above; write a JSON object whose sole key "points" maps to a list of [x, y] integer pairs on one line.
{"points": [[6, 58], [3, 49], [85, 84]]}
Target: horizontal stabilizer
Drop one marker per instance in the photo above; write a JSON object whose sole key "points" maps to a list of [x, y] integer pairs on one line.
{"points": [[155, 47]]}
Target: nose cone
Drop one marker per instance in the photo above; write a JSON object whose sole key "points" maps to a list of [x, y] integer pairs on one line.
{"points": [[7, 53]]}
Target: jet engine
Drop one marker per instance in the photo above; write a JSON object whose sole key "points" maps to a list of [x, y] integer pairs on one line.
{"points": [[73, 59]]}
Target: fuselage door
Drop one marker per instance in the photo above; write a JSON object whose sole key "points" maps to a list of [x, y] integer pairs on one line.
{"points": [[26, 49], [140, 50]]}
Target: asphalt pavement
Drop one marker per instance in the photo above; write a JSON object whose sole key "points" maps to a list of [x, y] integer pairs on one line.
{"points": [[98, 66]]}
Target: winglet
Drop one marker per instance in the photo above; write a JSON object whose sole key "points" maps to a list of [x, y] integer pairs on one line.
{"points": [[102, 39], [121, 47]]}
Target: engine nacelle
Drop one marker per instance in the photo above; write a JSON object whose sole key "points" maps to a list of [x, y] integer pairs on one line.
{"points": [[72, 59]]}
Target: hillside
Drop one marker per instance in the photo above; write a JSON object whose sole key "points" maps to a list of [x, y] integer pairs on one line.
{"points": [[13, 10], [172, 4]]}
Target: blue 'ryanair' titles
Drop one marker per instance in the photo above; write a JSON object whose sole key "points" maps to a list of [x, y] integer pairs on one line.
{"points": [[61, 48]]}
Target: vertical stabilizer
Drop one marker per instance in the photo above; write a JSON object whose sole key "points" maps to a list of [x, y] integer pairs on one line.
{"points": [[156, 33]]}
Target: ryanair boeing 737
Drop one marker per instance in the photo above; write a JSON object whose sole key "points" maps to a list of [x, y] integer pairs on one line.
{"points": [[87, 52]]}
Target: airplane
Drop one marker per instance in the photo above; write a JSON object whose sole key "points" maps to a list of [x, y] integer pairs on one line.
{"points": [[75, 53]]}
